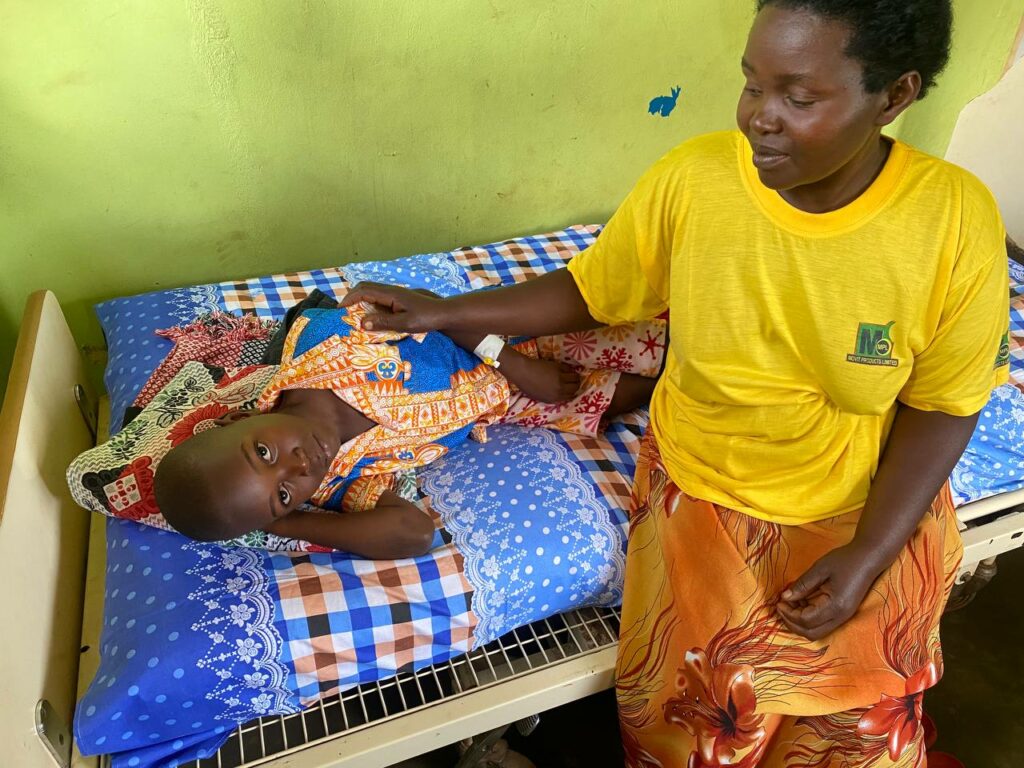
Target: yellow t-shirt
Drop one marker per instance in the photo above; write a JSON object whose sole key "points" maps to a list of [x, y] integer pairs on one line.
{"points": [[793, 335]]}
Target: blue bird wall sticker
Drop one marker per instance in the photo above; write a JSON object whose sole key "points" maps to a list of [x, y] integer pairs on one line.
{"points": [[663, 105]]}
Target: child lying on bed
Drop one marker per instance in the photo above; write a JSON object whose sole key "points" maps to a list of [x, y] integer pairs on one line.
{"points": [[346, 410]]}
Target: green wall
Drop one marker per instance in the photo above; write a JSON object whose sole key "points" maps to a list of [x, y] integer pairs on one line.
{"points": [[147, 145]]}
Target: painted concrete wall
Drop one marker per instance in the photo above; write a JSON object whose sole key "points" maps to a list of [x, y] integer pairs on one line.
{"points": [[147, 145]]}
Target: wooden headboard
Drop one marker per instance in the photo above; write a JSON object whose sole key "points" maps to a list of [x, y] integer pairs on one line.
{"points": [[43, 534]]}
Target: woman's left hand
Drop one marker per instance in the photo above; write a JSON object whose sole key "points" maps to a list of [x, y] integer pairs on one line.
{"points": [[829, 593]]}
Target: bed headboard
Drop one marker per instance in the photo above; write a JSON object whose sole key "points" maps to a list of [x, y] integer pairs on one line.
{"points": [[43, 535], [988, 141]]}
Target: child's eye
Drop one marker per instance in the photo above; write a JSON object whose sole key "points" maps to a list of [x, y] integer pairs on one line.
{"points": [[286, 498], [802, 104], [262, 451]]}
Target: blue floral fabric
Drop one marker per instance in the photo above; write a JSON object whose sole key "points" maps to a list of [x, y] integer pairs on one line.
{"points": [[189, 648]]}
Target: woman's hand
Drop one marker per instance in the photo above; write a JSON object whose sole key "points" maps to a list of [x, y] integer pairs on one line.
{"points": [[922, 450], [829, 592], [406, 310]]}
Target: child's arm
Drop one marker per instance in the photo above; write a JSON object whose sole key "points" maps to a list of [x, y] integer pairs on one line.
{"points": [[543, 380], [392, 530]]}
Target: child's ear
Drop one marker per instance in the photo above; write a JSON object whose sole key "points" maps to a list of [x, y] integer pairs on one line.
{"points": [[232, 416]]}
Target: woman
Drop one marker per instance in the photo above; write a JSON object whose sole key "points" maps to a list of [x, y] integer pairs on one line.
{"points": [[838, 313]]}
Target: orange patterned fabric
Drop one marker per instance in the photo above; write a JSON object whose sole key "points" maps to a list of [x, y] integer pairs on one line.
{"points": [[709, 676]]}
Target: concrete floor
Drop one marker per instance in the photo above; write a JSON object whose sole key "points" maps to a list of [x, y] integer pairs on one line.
{"points": [[978, 707]]}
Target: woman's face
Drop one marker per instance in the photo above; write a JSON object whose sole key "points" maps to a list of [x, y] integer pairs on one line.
{"points": [[804, 109]]}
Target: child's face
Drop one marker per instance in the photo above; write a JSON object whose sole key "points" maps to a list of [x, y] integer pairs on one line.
{"points": [[263, 466]]}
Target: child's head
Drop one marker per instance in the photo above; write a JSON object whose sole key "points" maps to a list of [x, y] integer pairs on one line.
{"points": [[240, 477]]}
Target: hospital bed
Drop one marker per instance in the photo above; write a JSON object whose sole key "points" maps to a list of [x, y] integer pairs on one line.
{"points": [[52, 556]]}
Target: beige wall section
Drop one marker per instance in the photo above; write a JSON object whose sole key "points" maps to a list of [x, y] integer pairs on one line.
{"points": [[147, 145], [994, 120], [984, 35]]}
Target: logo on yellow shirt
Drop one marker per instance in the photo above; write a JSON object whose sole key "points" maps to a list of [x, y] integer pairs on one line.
{"points": [[1003, 357], [874, 345]]}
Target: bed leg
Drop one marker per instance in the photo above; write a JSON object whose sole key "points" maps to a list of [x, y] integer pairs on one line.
{"points": [[527, 725], [963, 594]]}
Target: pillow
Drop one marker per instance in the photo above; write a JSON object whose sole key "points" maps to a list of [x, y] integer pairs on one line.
{"points": [[116, 478]]}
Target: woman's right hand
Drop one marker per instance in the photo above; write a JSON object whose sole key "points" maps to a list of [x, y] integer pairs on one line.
{"points": [[406, 310]]}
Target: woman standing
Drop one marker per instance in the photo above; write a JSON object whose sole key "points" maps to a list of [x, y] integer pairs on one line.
{"points": [[838, 316]]}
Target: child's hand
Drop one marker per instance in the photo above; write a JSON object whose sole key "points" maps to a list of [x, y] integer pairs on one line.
{"points": [[543, 380], [286, 527]]}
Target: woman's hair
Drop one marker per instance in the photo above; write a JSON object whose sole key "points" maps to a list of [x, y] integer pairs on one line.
{"points": [[889, 37]]}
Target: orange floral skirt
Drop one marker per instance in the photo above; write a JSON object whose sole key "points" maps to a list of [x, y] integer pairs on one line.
{"points": [[709, 676]]}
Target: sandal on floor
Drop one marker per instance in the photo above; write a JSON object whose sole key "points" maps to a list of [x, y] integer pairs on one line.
{"points": [[500, 756]]}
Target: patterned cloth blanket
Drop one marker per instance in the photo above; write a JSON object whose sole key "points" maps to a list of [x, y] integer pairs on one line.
{"points": [[198, 637]]}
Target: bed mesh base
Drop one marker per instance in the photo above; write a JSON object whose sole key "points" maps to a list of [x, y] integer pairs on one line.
{"points": [[515, 654]]}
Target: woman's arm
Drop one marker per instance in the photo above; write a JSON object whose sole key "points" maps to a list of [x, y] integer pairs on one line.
{"points": [[922, 449], [392, 530], [544, 306]]}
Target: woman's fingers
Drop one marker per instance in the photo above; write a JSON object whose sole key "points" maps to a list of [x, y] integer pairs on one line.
{"points": [[813, 618], [404, 310], [802, 588], [820, 609], [799, 619], [791, 618], [374, 293], [398, 322]]}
